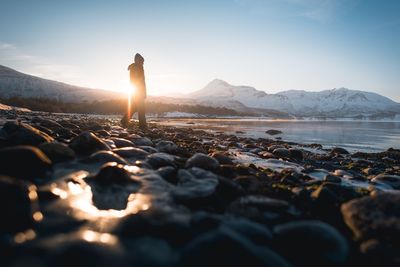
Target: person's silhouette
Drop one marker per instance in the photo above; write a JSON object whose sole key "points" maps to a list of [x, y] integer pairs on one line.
{"points": [[138, 96]]}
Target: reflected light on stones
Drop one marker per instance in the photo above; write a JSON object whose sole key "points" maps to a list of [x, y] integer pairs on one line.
{"points": [[22, 237], [92, 236]]}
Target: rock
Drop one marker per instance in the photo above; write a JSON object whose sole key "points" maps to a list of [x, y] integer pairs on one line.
{"points": [[87, 143], [113, 173], [157, 222], [376, 216], [296, 153], [333, 194], [262, 209], [24, 134], [149, 149], [339, 150], [158, 160], [17, 204], [332, 179], [255, 232], [225, 247], [167, 146], [168, 173], [273, 132], [387, 179], [189, 187], [57, 152], [24, 162], [132, 153], [143, 141], [121, 142], [247, 182], [202, 161], [105, 156], [297, 238], [222, 158], [50, 124], [281, 153]]}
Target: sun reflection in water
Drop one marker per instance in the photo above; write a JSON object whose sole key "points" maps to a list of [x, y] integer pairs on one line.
{"points": [[78, 195], [92, 236]]}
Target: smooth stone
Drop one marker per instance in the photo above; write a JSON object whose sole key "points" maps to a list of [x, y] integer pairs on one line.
{"points": [[57, 152], [333, 194], [113, 173], [53, 125], [296, 153], [149, 149], [24, 162], [332, 179], [255, 232], [105, 156], [167, 146], [296, 239], [168, 173], [391, 180], [158, 222], [339, 150], [222, 158], [87, 143], [121, 142], [281, 153], [142, 141], [202, 161], [273, 132], [262, 209], [371, 216], [225, 247], [189, 187], [24, 134], [131, 153], [18, 200], [157, 160]]}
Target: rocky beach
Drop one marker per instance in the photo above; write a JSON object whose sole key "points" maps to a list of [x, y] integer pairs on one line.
{"points": [[80, 190]]}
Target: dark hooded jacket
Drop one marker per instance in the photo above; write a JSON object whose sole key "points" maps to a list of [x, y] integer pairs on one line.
{"points": [[137, 78]]}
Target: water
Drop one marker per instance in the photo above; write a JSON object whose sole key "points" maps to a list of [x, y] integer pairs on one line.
{"points": [[368, 136]]}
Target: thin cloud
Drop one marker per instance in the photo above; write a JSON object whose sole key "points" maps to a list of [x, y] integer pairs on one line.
{"points": [[6, 46]]}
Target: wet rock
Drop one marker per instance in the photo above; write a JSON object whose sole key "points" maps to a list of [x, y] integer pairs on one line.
{"points": [[332, 179], [113, 173], [387, 179], [296, 153], [24, 134], [121, 142], [105, 156], [57, 152], [332, 194], [87, 143], [149, 149], [247, 182], [18, 202], [167, 146], [281, 153], [189, 187], [273, 132], [24, 162], [222, 158], [262, 209], [376, 216], [255, 232], [227, 248], [339, 150], [53, 125], [202, 161], [132, 153], [168, 173], [295, 239], [143, 141], [158, 160], [158, 222]]}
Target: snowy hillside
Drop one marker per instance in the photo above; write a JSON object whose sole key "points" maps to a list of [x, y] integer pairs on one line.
{"points": [[14, 83], [331, 103]]}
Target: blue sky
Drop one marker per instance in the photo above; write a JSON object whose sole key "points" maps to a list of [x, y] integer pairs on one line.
{"points": [[273, 45]]}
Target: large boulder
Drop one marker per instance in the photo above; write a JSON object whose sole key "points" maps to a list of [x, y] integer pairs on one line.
{"points": [[23, 134]]}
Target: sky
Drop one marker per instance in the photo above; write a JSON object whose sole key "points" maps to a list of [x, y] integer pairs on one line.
{"points": [[272, 45]]}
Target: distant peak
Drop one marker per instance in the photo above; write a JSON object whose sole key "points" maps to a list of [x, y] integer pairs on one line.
{"points": [[219, 82]]}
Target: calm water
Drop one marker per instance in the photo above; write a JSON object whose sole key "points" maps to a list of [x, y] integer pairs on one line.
{"points": [[352, 135]]}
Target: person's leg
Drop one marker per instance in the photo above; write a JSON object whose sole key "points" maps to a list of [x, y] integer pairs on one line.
{"points": [[142, 114]]}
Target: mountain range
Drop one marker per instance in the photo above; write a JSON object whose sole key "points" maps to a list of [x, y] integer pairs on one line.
{"points": [[333, 103]]}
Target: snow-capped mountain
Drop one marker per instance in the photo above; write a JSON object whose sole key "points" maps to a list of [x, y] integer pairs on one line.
{"points": [[340, 102], [14, 83]]}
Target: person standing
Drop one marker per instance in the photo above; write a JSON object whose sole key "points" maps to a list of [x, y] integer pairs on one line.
{"points": [[138, 95]]}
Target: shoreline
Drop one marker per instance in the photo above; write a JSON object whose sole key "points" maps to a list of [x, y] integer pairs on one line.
{"points": [[106, 192]]}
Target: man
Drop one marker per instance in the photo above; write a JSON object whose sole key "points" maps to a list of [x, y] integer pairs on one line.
{"points": [[138, 95]]}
